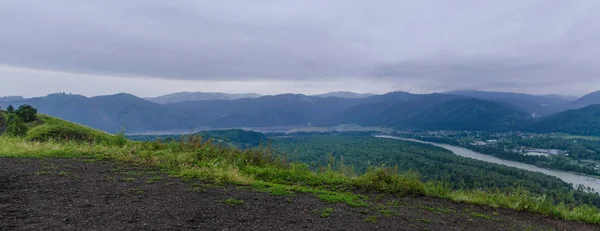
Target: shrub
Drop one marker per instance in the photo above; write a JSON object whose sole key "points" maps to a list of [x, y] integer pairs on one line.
{"points": [[27, 113], [15, 126], [2, 122], [120, 139], [388, 180], [10, 109]]}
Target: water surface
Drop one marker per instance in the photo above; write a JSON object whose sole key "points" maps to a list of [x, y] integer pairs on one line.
{"points": [[568, 177]]}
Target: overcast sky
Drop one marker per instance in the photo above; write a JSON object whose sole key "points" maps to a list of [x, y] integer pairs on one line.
{"points": [[154, 47]]}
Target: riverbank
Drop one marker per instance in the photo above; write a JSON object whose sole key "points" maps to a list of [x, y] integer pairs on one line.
{"points": [[568, 177]]}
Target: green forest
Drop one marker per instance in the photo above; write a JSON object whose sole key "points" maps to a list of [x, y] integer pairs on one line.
{"points": [[355, 154], [580, 150]]}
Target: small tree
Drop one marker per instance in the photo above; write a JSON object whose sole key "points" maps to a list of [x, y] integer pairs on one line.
{"points": [[26, 113], [15, 126], [10, 109]]}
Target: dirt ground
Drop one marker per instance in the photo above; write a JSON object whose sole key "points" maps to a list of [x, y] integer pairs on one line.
{"points": [[68, 194]]}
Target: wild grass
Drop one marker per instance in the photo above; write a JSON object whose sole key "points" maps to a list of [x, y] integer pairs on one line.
{"points": [[264, 170], [49, 128], [326, 212], [234, 202]]}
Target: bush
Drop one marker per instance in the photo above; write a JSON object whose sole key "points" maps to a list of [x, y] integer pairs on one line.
{"points": [[57, 132], [2, 123], [388, 180], [27, 113], [15, 126], [10, 109]]}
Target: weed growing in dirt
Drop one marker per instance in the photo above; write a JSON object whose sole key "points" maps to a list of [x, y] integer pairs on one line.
{"points": [[482, 216], [326, 212], [61, 173], [371, 219], [153, 179], [439, 210], [234, 202], [128, 179], [137, 191]]}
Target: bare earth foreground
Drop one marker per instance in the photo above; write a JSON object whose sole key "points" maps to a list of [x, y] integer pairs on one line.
{"points": [[68, 194]]}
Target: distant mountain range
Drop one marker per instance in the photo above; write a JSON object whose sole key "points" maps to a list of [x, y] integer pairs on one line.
{"points": [[110, 113], [536, 105], [200, 96], [344, 94], [464, 110], [586, 100], [197, 96], [11, 98]]}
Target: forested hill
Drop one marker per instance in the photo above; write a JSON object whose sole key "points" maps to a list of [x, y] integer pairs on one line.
{"points": [[466, 114], [586, 100], [532, 104], [279, 110], [584, 121], [230, 137]]}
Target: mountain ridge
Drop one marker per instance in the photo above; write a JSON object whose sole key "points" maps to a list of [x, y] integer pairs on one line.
{"points": [[116, 112]]}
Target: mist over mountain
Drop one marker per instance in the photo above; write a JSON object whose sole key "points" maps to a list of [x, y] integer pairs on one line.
{"points": [[586, 100], [197, 96], [532, 104], [277, 110], [11, 98], [345, 94]]}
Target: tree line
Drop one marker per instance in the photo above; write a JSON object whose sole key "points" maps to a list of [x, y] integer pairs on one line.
{"points": [[358, 153], [16, 120]]}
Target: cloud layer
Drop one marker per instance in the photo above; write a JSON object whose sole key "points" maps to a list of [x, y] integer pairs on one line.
{"points": [[535, 46]]}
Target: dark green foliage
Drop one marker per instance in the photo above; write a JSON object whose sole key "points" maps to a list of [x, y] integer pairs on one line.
{"points": [[236, 137], [387, 180], [432, 163], [584, 121], [27, 113], [2, 123], [10, 109], [59, 133], [15, 126]]}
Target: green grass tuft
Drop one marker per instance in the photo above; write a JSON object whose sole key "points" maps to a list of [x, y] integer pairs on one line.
{"points": [[326, 212], [371, 219], [233, 201]]}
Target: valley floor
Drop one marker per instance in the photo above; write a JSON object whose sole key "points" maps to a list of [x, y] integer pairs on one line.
{"points": [[69, 194]]}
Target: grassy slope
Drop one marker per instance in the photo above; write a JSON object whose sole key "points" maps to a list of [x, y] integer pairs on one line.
{"points": [[47, 127], [266, 172]]}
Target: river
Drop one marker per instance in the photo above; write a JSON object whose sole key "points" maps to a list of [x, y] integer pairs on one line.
{"points": [[565, 176]]}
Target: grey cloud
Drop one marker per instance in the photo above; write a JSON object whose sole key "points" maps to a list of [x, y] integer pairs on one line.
{"points": [[436, 44]]}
